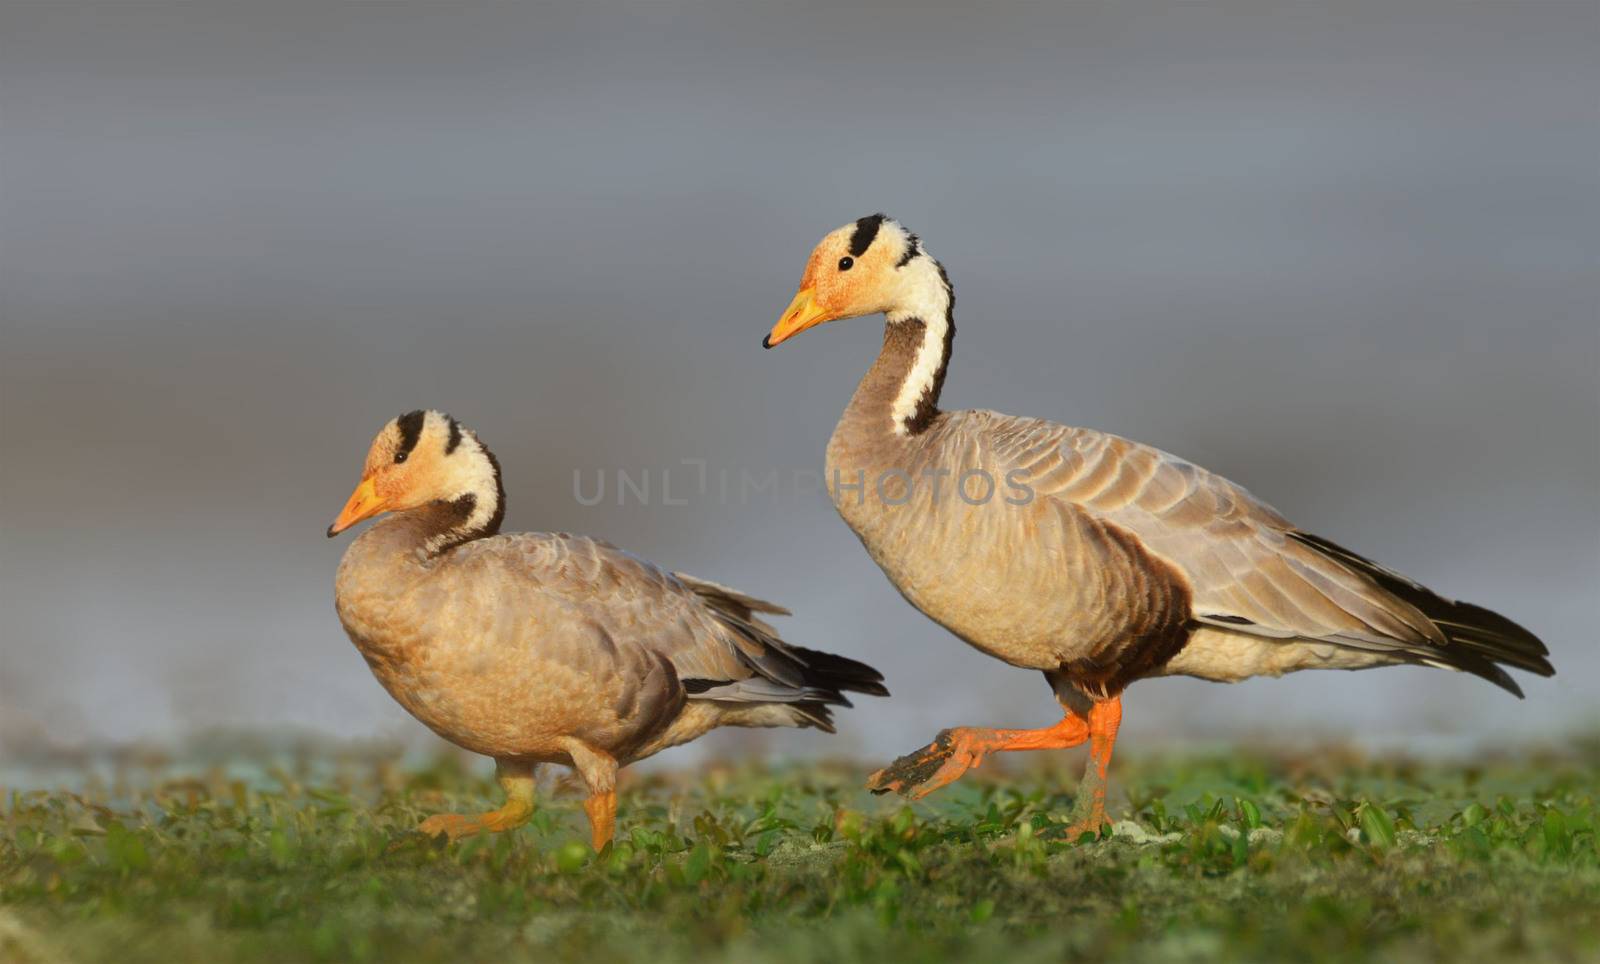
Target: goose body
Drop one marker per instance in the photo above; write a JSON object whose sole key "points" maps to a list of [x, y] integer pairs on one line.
{"points": [[535, 648], [1092, 558]]}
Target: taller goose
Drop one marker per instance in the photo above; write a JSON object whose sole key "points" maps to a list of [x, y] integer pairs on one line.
{"points": [[1091, 558], [536, 648]]}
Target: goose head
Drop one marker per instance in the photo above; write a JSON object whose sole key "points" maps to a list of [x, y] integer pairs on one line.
{"points": [[870, 266], [427, 458]]}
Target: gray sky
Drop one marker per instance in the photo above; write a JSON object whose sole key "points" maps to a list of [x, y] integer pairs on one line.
{"points": [[1343, 254]]}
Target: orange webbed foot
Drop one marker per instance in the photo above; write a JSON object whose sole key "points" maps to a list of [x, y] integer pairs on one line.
{"points": [[453, 825], [1092, 825], [955, 751], [458, 825], [517, 781], [920, 772]]}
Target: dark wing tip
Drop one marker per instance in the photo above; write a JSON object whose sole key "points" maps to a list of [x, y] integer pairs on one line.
{"points": [[1500, 678], [817, 714], [1476, 638], [840, 672]]}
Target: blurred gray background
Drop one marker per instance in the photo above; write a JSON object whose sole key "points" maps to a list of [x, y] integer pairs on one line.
{"points": [[1345, 254]]}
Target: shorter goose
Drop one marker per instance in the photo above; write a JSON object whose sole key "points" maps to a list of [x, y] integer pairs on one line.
{"points": [[550, 648], [1095, 559]]}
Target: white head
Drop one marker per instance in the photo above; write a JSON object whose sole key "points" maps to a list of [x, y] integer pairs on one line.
{"points": [[873, 265], [428, 459], [876, 265]]}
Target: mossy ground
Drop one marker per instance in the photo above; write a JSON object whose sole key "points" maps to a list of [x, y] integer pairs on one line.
{"points": [[1245, 856]]}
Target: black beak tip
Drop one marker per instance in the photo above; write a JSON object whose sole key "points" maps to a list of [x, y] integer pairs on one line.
{"points": [[766, 341], [331, 533]]}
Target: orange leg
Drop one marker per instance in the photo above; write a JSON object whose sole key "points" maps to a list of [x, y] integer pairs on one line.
{"points": [[599, 771], [955, 751], [602, 811], [1105, 716]]}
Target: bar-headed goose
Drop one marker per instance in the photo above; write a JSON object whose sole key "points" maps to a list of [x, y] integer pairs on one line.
{"points": [[550, 648], [1095, 559]]}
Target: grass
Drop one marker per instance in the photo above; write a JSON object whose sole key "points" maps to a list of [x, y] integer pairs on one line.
{"points": [[1326, 856]]}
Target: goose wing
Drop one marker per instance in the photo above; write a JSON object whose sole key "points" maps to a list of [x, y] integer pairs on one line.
{"points": [[1249, 569], [710, 634], [793, 673]]}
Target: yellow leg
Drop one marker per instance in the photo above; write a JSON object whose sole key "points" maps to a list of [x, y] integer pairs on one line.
{"points": [[517, 781]]}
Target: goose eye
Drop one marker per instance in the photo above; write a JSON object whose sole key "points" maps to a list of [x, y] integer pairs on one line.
{"points": [[846, 262], [401, 456]]}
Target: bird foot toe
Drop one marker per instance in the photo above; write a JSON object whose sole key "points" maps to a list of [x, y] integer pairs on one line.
{"points": [[1073, 832], [453, 826], [910, 772]]}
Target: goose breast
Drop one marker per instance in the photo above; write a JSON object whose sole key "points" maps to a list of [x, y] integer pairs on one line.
{"points": [[518, 641], [966, 534]]}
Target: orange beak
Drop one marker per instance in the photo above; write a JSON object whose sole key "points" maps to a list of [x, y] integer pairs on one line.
{"points": [[364, 503], [803, 312]]}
